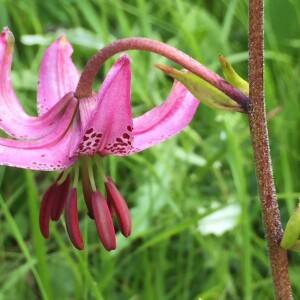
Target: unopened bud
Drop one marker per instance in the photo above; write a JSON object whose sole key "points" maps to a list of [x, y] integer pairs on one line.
{"points": [[202, 90], [233, 77], [291, 234]]}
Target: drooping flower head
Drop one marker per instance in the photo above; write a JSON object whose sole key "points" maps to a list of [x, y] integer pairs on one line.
{"points": [[71, 134]]}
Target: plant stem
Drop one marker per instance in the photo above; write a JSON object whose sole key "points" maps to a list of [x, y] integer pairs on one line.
{"points": [[84, 88], [260, 141]]}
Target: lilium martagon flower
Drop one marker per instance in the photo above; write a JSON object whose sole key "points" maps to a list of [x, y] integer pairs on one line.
{"points": [[72, 135]]}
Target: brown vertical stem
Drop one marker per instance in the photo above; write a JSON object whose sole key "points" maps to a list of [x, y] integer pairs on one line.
{"points": [[260, 142]]}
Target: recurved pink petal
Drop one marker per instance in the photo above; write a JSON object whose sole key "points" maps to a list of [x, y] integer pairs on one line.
{"points": [[103, 220], [57, 76], [54, 136], [72, 223], [109, 129], [48, 153], [39, 128], [13, 120], [119, 206], [164, 121], [7, 95]]}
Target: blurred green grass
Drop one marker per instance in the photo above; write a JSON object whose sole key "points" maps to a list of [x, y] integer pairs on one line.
{"points": [[171, 187]]}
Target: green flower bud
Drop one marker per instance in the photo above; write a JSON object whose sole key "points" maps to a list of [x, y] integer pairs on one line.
{"points": [[202, 90], [232, 77], [292, 231]]}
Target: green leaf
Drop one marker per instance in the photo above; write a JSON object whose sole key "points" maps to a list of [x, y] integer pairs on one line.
{"points": [[202, 90]]}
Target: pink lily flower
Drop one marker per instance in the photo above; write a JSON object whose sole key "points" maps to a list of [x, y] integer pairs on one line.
{"points": [[71, 134]]}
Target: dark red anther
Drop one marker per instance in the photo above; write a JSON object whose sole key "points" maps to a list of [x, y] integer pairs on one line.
{"points": [[110, 204], [45, 210], [117, 201], [103, 220], [72, 223], [59, 197]]}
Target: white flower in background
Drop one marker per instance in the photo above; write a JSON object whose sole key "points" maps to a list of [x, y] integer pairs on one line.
{"points": [[220, 221]]}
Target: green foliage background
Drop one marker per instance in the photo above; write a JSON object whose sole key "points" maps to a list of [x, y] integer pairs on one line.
{"points": [[171, 186]]}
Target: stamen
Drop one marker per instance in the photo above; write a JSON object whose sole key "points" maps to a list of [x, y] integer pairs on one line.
{"points": [[62, 177], [100, 168], [110, 202], [91, 174], [59, 196], [120, 206], [45, 212], [76, 176], [104, 178], [86, 186], [72, 223], [103, 221]]}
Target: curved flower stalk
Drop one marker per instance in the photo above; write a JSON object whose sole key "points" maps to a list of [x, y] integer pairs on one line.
{"points": [[73, 134]]}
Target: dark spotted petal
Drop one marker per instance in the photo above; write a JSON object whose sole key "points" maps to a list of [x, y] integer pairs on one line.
{"points": [[48, 153], [108, 128], [103, 221]]}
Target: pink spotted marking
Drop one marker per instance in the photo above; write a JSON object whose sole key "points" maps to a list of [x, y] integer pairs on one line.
{"points": [[90, 143], [122, 144]]}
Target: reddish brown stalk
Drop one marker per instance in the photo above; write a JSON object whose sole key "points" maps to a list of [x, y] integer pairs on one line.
{"points": [[260, 142], [84, 88]]}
